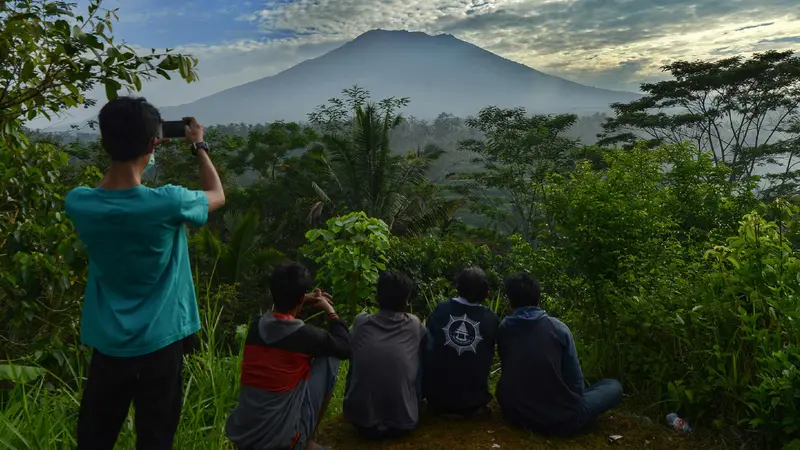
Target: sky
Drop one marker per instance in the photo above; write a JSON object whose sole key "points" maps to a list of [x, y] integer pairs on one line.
{"points": [[614, 44]]}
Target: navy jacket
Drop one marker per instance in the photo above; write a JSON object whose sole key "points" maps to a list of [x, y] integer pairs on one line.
{"points": [[541, 387], [461, 344]]}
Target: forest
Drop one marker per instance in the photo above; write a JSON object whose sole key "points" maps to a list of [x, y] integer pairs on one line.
{"points": [[666, 234]]}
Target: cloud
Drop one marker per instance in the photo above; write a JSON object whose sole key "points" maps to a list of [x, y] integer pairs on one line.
{"points": [[220, 67], [614, 44], [783, 40], [755, 26], [572, 38]]}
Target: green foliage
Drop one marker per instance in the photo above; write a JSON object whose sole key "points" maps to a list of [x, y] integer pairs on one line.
{"points": [[266, 151], [434, 263], [733, 108], [737, 345], [42, 263], [711, 331], [361, 173], [20, 374], [517, 155], [611, 228], [50, 58], [351, 254]]}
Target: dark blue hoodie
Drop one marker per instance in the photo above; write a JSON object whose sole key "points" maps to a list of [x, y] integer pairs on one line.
{"points": [[541, 386]]}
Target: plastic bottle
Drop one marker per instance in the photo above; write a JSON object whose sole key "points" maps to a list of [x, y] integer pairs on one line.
{"points": [[678, 424]]}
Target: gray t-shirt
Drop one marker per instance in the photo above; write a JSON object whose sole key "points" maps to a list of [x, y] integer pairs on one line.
{"points": [[384, 365]]}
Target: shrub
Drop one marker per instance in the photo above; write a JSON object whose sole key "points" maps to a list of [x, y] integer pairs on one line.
{"points": [[43, 264], [351, 254], [434, 263]]}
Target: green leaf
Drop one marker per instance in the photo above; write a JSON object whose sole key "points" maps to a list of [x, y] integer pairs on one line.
{"points": [[20, 374], [27, 71], [77, 32], [112, 86]]}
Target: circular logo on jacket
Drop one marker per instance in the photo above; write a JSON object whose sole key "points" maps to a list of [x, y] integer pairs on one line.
{"points": [[463, 334]]}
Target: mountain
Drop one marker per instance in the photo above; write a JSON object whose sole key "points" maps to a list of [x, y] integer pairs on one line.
{"points": [[438, 73]]}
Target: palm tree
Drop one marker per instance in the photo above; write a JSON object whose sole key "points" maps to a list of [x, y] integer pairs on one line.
{"points": [[239, 253], [363, 174]]}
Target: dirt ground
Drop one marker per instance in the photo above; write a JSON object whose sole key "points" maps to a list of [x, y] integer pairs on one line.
{"points": [[439, 433]]}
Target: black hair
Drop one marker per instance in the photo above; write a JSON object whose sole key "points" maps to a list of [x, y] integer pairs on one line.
{"points": [[394, 291], [523, 290], [127, 127], [288, 284], [473, 285]]}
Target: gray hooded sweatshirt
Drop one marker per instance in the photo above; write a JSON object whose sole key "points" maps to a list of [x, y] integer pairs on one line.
{"points": [[382, 389]]}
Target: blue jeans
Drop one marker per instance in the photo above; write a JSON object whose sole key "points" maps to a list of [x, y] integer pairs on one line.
{"points": [[321, 382], [598, 398]]}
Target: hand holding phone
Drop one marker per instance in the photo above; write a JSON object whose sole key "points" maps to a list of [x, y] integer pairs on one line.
{"points": [[187, 128], [172, 129]]}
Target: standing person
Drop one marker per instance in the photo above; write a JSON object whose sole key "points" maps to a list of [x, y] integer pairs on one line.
{"points": [[542, 387], [289, 368], [460, 351], [383, 392], [140, 306]]}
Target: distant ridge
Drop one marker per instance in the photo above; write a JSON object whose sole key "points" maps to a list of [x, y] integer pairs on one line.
{"points": [[439, 73]]}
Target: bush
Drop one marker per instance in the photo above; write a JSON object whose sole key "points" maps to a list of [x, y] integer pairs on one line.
{"points": [[351, 254], [42, 264], [434, 263], [637, 263]]}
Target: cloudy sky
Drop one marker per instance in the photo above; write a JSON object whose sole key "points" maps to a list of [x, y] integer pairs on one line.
{"points": [[613, 44]]}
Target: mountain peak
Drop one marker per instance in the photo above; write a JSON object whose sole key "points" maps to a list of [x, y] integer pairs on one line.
{"points": [[380, 33], [440, 73]]}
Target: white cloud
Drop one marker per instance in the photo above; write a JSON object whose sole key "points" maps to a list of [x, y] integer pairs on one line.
{"points": [[220, 67], [610, 43], [585, 40]]}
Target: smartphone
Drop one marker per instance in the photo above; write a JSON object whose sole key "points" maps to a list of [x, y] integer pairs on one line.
{"points": [[171, 129]]}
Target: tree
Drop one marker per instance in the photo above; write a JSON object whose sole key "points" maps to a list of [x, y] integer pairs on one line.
{"points": [[240, 253], [734, 108], [265, 151], [351, 253], [785, 183], [363, 174], [517, 155], [50, 58]]}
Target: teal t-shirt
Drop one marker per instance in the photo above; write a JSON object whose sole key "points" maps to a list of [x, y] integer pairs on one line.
{"points": [[140, 295]]}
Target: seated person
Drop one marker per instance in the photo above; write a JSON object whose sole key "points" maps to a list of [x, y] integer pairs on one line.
{"points": [[460, 350], [289, 368], [382, 394], [541, 388]]}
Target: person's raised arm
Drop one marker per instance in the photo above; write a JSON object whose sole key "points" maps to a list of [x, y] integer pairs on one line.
{"points": [[209, 178]]}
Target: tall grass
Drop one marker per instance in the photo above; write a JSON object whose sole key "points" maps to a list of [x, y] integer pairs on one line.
{"points": [[43, 415]]}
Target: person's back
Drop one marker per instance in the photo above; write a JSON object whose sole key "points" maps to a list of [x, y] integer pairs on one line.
{"points": [[382, 392], [542, 387], [139, 294], [289, 368], [532, 389], [139, 307], [460, 349]]}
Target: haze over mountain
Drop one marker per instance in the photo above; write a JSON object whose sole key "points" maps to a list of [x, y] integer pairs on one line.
{"points": [[439, 73]]}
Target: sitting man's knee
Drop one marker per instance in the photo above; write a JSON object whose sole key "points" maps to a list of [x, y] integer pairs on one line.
{"points": [[615, 387]]}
